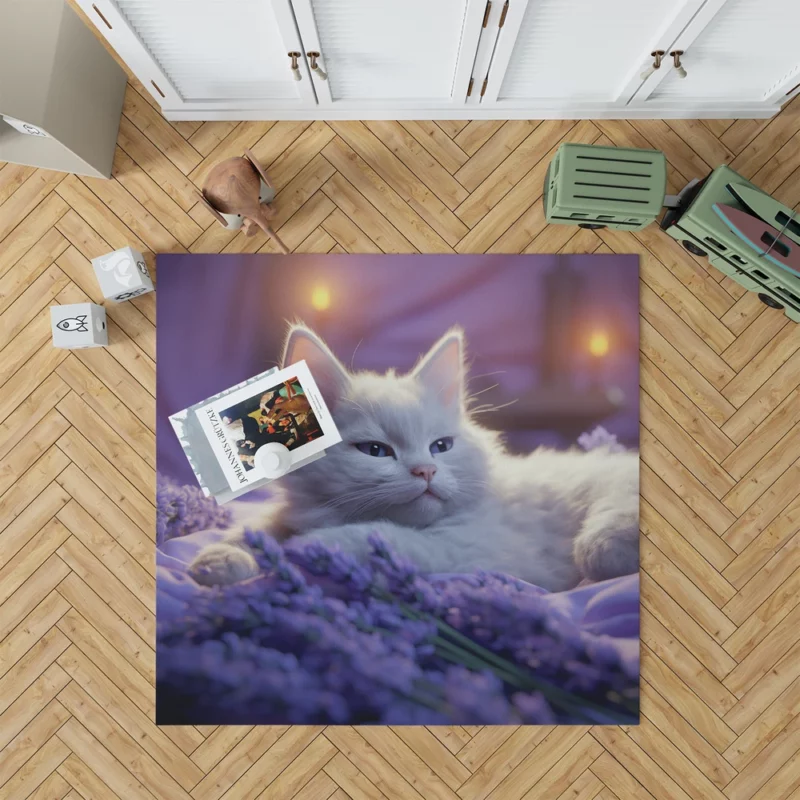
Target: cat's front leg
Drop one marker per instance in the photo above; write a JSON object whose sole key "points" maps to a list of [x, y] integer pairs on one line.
{"points": [[231, 560], [607, 545], [226, 562]]}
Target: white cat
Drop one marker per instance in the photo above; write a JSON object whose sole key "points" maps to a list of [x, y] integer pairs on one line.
{"points": [[414, 467]]}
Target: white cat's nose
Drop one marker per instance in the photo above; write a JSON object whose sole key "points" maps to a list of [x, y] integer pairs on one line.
{"points": [[426, 471]]}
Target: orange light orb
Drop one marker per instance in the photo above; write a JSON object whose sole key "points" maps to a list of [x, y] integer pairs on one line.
{"points": [[598, 344], [320, 298]]}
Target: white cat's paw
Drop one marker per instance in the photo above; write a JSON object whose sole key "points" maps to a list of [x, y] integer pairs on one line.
{"points": [[222, 564], [608, 556]]}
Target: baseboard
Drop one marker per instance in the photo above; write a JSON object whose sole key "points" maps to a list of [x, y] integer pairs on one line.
{"points": [[750, 111]]}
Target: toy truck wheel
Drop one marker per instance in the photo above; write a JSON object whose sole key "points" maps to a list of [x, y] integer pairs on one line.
{"points": [[769, 301], [592, 226], [693, 248]]}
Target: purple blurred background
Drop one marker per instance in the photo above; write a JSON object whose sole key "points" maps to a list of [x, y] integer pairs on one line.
{"points": [[552, 341]]}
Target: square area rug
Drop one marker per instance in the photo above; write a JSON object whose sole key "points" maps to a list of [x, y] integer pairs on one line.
{"points": [[467, 553]]}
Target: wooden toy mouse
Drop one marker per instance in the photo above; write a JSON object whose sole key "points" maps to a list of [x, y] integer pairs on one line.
{"points": [[233, 194]]}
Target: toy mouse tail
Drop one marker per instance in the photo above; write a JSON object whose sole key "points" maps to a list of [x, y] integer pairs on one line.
{"points": [[267, 228]]}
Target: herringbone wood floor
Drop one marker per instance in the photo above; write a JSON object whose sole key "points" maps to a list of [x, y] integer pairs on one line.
{"points": [[720, 381]]}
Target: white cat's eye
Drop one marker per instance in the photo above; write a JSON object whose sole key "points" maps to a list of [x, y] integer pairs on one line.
{"points": [[375, 449], [441, 445]]}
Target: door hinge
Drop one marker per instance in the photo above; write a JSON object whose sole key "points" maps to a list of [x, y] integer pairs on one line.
{"points": [[469, 88], [486, 13], [483, 88], [503, 15]]}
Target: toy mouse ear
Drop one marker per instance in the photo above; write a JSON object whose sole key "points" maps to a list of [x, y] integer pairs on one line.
{"points": [[214, 213], [248, 154]]}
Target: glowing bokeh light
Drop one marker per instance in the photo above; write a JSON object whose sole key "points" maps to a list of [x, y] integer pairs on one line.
{"points": [[598, 344], [320, 298]]}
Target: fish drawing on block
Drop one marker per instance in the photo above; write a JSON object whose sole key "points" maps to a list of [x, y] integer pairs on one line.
{"points": [[77, 324]]}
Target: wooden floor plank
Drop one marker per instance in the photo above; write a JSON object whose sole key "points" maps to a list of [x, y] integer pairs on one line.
{"points": [[511, 170], [38, 769], [437, 143], [393, 171], [419, 161], [31, 230], [139, 111], [31, 629], [160, 781], [680, 732], [385, 199]]}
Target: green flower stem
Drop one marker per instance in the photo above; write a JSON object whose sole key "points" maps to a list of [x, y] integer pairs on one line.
{"points": [[505, 669]]}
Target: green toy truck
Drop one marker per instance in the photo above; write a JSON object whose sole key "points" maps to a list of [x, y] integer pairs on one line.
{"points": [[598, 187], [605, 187], [701, 231]]}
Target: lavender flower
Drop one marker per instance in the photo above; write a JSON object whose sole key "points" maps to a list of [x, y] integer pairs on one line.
{"points": [[181, 510], [320, 637], [600, 437]]}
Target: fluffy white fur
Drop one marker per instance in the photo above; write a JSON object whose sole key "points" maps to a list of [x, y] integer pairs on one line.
{"points": [[549, 517]]}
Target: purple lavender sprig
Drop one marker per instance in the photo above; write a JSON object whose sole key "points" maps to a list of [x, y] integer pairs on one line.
{"points": [[181, 510], [322, 637], [398, 581], [599, 437]]}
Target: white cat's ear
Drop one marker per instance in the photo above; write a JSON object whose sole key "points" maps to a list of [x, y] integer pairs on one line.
{"points": [[302, 344], [441, 370]]}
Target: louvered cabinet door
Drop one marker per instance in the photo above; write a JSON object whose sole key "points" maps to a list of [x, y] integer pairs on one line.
{"points": [[733, 51], [577, 54], [202, 54], [390, 54]]}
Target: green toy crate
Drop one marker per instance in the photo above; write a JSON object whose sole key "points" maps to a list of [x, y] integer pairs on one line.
{"points": [[701, 231], [598, 187]]}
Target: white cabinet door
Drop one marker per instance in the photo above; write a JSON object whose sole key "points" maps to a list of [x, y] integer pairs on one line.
{"points": [[744, 51], [391, 53], [198, 54], [577, 54]]}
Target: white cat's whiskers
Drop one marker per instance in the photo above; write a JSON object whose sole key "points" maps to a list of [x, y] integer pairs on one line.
{"points": [[353, 357], [488, 374], [488, 407], [482, 391], [374, 501], [344, 499]]}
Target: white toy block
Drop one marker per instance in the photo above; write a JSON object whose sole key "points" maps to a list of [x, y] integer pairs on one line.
{"points": [[79, 325], [122, 274]]}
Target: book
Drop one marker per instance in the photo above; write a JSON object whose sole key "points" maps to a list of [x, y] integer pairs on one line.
{"points": [[231, 438]]}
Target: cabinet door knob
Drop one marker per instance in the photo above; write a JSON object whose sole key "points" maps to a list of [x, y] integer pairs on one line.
{"points": [[657, 56], [676, 60], [312, 57], [295, 67]]}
